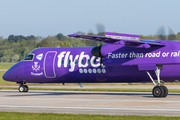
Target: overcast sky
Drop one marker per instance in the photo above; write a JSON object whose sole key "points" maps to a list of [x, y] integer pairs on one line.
{"points": [[50, 17]]}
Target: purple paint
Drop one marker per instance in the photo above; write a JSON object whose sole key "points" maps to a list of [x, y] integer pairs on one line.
{"points": [[123, 62]]}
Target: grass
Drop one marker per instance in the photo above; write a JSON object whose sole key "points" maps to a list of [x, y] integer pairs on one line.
{"points": [[55, 116], [6, 65]]}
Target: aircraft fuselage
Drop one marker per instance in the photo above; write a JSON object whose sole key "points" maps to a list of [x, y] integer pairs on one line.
{"points": [[77, 65]]}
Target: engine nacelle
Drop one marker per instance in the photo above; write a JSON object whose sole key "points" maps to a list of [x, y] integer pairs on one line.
{"points": [[103, 50], [96, 51]]}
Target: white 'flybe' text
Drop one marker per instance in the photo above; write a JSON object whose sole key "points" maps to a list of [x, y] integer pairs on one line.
{"points": [[77, 58]]}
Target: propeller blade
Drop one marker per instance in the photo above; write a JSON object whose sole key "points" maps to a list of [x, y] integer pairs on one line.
{"points": [[90, 32], [100, 29], [160, 33], [172, 35]]}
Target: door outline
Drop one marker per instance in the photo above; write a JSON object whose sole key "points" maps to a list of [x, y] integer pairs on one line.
{"points": [[53, 64]]}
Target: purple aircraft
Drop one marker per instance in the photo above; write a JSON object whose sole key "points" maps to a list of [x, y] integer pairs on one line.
{"points": [[124, 58]]}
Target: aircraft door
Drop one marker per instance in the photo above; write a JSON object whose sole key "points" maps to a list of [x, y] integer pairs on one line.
{"points": [[49, 64]]}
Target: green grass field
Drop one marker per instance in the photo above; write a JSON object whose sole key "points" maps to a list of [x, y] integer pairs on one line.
{"points": [[6, 65], [53, 116]]}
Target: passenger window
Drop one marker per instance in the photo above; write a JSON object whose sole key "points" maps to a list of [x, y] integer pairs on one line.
{"points": [[29, 57], [94, 61], [69, 62], [62, 62], [88, 61], [82, 61], [76, 61]]}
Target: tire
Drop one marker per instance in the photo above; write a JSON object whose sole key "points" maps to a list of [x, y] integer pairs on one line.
{"points": [[26, 88], [165, 91], [158, 91], [21, 88]]}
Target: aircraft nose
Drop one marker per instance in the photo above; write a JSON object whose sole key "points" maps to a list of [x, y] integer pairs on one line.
{"points": [[7, 76], [15, 73]]}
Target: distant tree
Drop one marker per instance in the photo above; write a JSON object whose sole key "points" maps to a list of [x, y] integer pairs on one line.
{"points": [[80, 32], [101, 33], [161, 37], [1, 37], [8, 53], [50, 41], [65, 44], [31, 37], [4, 59], [148, 37], [13, 38], [26, 52], [59, 36], [77, 43], [178, 36], [171, 37], [43, 43], [15, 58], [39, 38]]}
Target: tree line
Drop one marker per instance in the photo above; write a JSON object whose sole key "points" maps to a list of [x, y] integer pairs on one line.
{"points": [[16, 47]]}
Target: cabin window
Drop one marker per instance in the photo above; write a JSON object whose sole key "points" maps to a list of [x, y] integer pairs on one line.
{"points": [[88, 61], [76, 61], [69, 62], [94, 61], [29, 57], [82, 62], [62, 62]]}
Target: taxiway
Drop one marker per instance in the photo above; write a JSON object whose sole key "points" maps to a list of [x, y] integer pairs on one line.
{"points": [[95, 86], [86, 102]]}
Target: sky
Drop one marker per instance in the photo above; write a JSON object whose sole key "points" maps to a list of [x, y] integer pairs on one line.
{"points": [[50, 17]]}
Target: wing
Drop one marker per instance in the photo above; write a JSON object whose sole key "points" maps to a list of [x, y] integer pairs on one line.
{"points": [[119, 38]]}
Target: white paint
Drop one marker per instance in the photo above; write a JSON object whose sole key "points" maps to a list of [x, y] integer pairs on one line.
{"points": [[99, 70], [103, 70], [36, 67], [39, 57], [66, 56], [73, 62], [122, 37], [80, 70], [37, 74], [82, 56], [92, 62], [90, 70], [85, 70], [66, 59], [94, 70], [60, 56], [52, 66]]}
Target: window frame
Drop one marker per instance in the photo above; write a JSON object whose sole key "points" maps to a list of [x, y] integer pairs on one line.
{"points": [[32, 58]]}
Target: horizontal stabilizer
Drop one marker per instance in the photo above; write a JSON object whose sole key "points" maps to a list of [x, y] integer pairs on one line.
{"points": [[122, 36]]}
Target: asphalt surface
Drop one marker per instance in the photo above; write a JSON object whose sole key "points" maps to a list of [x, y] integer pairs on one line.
{"points": [[86, 102], [94, 86]]}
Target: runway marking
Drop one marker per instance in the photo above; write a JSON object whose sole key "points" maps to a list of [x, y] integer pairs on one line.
{"points": [[90, 108]]}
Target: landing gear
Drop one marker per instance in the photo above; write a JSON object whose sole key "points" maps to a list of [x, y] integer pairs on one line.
{"points": [[159, 90], [23, 88]]}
